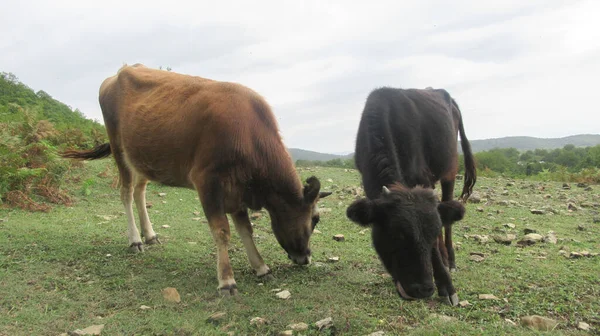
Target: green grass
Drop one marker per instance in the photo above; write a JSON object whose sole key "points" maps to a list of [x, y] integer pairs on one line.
{"points": [[70, 268]]}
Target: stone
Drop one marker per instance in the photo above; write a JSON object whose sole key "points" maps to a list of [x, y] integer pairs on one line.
{"points": [[284, 294], [298, 326], [566, 186], [255, 215], [165, 226], [538, 322], [258, 321], [530, 239], [162, 194], [503, 203], [551, 238], [509, 321], [487, 297], [475, 198], [444, 318], [529, 230], [333, 259], [377, 333], [216, 317], [464, 303], [325, 323], [537, 212], [505, 239], [171, 294], [510, 225], [479, 209], [91, 330], [572, 207], [588, 189], [143, 307], [286, 333], [580, 227], [481, 238], [476, 258], [583, 326], [582, 185], [339, 237]]}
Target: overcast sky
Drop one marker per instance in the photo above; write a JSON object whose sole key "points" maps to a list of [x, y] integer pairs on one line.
{"points": [[514, 67]]}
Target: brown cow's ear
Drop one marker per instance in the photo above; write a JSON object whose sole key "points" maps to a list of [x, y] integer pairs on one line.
{"points": [[324, 194], [311, 189], [451, 211], [362, 212]]}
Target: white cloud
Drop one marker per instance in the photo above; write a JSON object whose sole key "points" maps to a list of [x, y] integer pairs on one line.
{"points": [[516, 68]]}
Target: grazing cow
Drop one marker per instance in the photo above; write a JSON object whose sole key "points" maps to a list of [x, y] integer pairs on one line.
{"points": [[406, 142], [218, 138]]}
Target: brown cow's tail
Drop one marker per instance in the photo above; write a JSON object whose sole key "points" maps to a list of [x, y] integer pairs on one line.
{"points": [[98, 152], [470, 168]]}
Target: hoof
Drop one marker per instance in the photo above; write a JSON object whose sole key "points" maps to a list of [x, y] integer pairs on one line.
{"points": [[136, 247], [154, 240], [452, 300], [228, 291]]}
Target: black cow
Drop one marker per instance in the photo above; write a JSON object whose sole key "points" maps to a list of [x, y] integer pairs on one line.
{"points": [[406, 142]]}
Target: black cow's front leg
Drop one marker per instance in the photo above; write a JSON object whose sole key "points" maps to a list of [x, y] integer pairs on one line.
{"points": [[442, 277]]}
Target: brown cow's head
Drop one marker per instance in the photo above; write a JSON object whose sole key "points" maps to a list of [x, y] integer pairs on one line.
{"points": [[405, 226], [293, 224]]}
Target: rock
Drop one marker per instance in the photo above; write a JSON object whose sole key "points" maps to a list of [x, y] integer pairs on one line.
{"points": [[511, 322], [487, 297], [510, 225], [537, 212], [582, 185], [580, 227], [479, 209], [298, 326], [258, 321], [596, 220], [338, 237], [510, 184], [316, 231], [572, 207], [464, 303], [481, 238], [284, 295], [162, 194], [530, 239], [216, 317], [171, 294], [324, 323], [142, 307], [529, 230], [476, 258], [566, 186], [505, 239], [444, 318], [91, 330], [459, 177], [165, 226], [333, 259], [149, 205], [325, 210], [329, 180], [551, 238], [363, 231], [588, 189], [196, 218], [286, 333], [547, 196], [583, 326], [538, 322], [255, 216], [575, 255], [503, 203], [475, 198]]}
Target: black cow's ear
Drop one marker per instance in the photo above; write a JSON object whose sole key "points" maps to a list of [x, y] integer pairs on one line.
{"points": [[324, 194], [311, 189], [451, 211], [362, 212]]}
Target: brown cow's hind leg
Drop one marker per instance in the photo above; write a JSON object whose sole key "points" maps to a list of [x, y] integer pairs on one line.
{"points": [[135, 241], [139, 196], [244, 229]]}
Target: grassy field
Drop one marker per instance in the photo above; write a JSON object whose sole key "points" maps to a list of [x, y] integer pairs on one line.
{"points": [[70, 268]]}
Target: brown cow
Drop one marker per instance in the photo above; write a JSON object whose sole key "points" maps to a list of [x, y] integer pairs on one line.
{"points": [[218, 138]]}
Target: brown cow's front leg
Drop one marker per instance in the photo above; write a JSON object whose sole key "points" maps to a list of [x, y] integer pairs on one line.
{"points": [[443, 280], [244, 229], [211, 197]]}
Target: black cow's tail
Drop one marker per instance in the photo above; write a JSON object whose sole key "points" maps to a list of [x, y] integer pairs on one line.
{"points": [[98, 152], [470, 167]]}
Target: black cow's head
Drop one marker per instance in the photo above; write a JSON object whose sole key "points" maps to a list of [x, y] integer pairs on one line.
{"points": [[405, 226]]}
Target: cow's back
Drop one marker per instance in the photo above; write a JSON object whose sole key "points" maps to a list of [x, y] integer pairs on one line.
{"points": [[405, 136], [168, 124]]}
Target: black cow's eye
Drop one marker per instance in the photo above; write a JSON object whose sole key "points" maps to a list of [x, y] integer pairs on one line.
{"points": [[315, 220]]}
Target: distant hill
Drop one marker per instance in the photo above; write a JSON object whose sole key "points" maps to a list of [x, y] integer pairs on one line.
{"points": [[522, 143]]}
